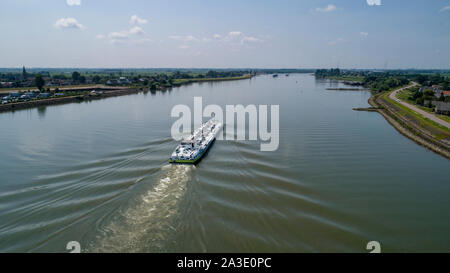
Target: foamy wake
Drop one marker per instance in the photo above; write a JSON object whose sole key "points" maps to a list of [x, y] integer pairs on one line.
{"points": [[146, 226]]}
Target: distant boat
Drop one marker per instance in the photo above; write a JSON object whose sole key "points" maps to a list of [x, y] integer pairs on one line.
{"points": [[192, 149], [287, 75], [275, 76]]}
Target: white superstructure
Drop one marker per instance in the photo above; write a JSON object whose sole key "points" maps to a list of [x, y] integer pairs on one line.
{"points": [[192, 148]]}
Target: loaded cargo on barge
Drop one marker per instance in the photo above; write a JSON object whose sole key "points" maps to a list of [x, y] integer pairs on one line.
{"points": [[192, 149]]}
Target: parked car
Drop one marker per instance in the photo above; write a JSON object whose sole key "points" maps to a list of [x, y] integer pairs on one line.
{"points": [[15, 94], [5, 101], [44, 95], [31, 94]]}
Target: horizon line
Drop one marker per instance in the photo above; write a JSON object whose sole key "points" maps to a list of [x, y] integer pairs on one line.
{"points": [[234, 68]]}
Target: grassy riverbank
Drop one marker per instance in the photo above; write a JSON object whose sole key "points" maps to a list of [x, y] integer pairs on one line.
{"points": [[441, 132], [412, 125], [348, 78], [76, 96], [178, 82]]}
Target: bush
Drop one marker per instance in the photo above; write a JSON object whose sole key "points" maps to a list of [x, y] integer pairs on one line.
{"points": [[419, 101]]}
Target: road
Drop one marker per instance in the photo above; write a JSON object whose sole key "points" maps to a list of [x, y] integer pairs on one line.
{"points": [[416, 109]]}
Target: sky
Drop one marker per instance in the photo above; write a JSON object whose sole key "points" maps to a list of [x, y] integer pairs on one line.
{"points": [[225, 34]]}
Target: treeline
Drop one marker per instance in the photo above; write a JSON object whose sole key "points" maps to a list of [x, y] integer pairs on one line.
{"points": [[384, 80], [434, 79], [209, 74], [167, 80], [420, 97], [328, 72], [153, 80]]}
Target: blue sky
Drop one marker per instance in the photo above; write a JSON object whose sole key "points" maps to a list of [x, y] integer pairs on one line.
{"points": [[246, 33]]}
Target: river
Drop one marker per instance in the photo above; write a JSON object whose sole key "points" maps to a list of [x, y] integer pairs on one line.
{"points": [[97, 173]]}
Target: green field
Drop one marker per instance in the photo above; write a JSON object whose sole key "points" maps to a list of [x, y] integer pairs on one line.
{"points": [[348, 78], [185, 81]]}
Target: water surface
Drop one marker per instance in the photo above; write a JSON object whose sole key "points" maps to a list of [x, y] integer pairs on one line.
{"points": [[97, 172]]}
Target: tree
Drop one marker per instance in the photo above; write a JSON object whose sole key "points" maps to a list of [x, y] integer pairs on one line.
{"points": [[428, 93], [446, 85], [436, 79], [211, 74], [59, 77], [24, 73], [75, 76], [96, 79], [420, 101], [39, 81], [421, 79]]}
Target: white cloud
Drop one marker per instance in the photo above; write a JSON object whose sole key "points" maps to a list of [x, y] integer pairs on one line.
{"points": [[133, 34], [68, 23], [250, 39], [188, 38], [327, 8], [446, 8], [136, 20], [136, 30], [235, 39], [364, 34], [234, 33], [374, 2], [335, 42], [73, 2], [120, 36]]}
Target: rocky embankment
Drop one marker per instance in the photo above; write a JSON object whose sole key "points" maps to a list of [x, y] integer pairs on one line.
{"points": [[408, 128]]}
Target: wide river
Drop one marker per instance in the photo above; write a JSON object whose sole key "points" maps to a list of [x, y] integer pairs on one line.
{"points": [[97, 173]]}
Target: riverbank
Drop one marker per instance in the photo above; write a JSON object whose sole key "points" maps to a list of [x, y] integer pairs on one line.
{"points": [[60, 88], [353, 79], [346, 89], [107, 92], [67, 99], [420, 130], [180, 82]]}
